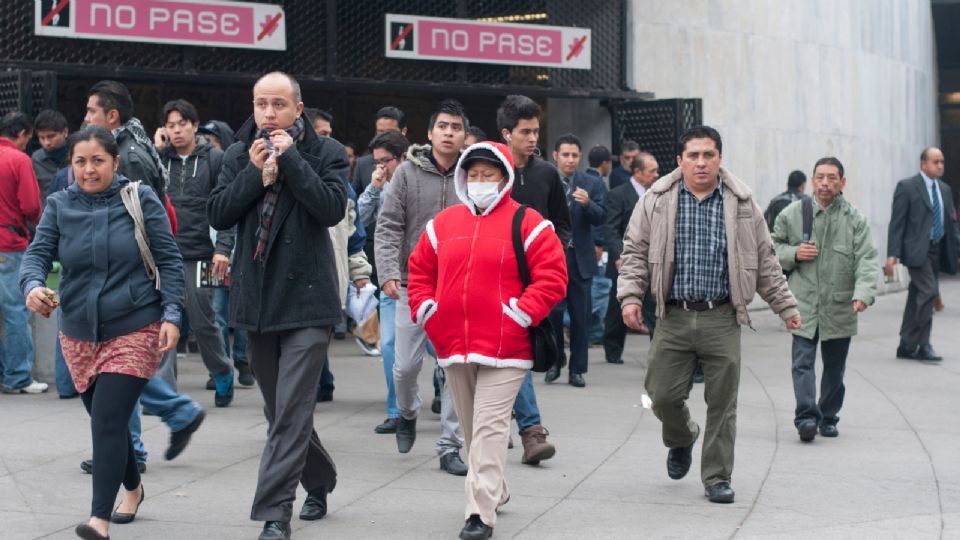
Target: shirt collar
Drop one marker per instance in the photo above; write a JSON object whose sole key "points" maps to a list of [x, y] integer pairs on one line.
{"points": [[717, 191], [927, 180]]}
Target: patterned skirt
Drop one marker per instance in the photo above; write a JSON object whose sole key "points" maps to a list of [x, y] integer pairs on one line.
{"points": [[136, 354]]}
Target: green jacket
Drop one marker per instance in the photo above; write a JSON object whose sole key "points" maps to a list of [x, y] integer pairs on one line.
{"points": [[846, 267]]}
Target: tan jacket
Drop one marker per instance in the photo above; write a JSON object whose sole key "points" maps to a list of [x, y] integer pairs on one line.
{"points": [[648, 249], [349, 267]]}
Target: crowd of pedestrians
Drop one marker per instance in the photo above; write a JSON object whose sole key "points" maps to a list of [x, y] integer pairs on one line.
{"points": [[490, 261]]}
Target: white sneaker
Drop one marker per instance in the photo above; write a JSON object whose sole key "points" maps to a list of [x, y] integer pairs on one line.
{"points": [[368, 349], [35, 387]]}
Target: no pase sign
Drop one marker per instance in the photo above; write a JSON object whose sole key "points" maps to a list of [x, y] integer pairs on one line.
{"points": [[200, 23], [461, 40]]}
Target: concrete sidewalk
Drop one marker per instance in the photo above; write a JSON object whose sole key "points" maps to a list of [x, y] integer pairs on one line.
{"points": [[894, 471]]}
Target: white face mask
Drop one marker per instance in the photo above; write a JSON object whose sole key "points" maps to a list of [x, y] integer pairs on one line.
{"points": [[483, 193]]}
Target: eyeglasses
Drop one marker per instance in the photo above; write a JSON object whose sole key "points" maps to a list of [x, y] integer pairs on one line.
{"points": [[384, 161]]}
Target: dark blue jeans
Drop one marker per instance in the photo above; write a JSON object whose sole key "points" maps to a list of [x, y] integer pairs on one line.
{"points": [[221, 305], [834, 354]]}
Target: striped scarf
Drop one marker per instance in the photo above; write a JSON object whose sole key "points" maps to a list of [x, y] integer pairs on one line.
{"points": [[272, 195]]}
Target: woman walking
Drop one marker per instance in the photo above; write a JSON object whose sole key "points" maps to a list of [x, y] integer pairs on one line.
{"points": [[465, 288], [117, 320]]}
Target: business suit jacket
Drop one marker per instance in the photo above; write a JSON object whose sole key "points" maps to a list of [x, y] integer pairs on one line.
{"points": [[620, 203], [582, 219], [908, 236]]}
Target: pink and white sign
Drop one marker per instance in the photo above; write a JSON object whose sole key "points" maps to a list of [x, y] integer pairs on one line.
{"points": [[179, 22], [460, 40]]}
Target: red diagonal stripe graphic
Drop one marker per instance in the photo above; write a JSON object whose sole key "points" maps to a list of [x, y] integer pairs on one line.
{"points": [[269, 26], [399, 38], [576, 47], [53, 13]]}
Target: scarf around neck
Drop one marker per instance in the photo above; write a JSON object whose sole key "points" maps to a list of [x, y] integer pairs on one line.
{"points": [[273, 192]]}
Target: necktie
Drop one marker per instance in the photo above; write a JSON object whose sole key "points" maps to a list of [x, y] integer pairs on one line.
{"points": [[937, 231], [567, 186]]}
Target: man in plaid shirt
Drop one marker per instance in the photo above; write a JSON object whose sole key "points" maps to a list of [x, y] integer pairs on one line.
{"points": [[701, 244]]}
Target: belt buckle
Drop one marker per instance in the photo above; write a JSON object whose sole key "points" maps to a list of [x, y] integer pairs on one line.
{"points": [[710, 304]]}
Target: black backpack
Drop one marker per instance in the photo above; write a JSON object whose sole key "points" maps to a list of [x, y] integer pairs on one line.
{"points": [[542, 341]]}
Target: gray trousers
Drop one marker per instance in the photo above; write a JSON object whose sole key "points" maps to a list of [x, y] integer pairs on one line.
{"points": [[287, 367], [918, 313], [834, 354], [198, 303], [411, 346]]}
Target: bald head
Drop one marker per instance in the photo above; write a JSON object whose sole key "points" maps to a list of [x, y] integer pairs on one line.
{"points": [[931, 162], [276, 101]]}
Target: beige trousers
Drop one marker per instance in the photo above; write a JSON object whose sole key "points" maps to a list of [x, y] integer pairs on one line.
{"points": [[483, 397]]}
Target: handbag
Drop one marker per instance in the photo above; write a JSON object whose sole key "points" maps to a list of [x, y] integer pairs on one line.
{"points": [[130, 195], [542, 341]]}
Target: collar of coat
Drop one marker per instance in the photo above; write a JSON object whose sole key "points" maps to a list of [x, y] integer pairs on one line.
{"points": [[735, 185]]}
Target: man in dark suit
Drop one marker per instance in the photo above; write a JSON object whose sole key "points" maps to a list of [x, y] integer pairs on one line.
{"points": [[621, 173], [620, 203], [585, 201], [923, 235]]}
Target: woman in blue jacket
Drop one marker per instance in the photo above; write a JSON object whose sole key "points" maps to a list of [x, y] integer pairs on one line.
{"points": [[117, 322]]}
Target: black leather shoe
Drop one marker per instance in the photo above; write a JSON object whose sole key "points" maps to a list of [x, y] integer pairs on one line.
{"points": [[244, 375], [614, 360], [275, 530], [87, 466], [436, 406], [388, 426], [452, 463], [807, 430], [406, 434], [474, 529], [719, 493], [180, 439], [903, 351], [576, 380], [829, 430], [926, 352], [122, 518], [324, 394], [87, 532], [679, 459], [315, 506], [553, 373], [211, 384]]}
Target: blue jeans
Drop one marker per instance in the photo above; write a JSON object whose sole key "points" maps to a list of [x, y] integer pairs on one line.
{"points": [[388, 340], [160, 399], [16, 355], [525, 407], [65, 387], [600, 294], [221, 306]]}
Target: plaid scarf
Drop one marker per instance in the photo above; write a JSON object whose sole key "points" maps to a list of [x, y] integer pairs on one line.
{"points": [[135, 128], [272, 195]]}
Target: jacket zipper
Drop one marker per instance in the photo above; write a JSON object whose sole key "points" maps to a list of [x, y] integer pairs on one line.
{"points": [[466, 282]]}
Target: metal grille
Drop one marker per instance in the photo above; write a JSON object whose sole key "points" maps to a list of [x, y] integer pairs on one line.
{"points": [[27, 92], [347, 48], [655, 125]]}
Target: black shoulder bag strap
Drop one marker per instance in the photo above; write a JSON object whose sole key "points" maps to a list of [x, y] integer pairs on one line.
{"points": [[518, 245], [807, 219]]}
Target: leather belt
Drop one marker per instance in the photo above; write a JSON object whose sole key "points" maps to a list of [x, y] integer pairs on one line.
{"points": [[698, 306]]}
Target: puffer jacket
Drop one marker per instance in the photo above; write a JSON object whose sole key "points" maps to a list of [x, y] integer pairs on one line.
{"points": [[464, 284], [192, 179], [648, 249], [415, 195]]}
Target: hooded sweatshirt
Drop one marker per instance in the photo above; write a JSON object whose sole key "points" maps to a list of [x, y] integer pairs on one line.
{"points": [[464, 283], [192, 178]]}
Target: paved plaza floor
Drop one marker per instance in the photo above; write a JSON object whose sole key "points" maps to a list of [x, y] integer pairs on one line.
{"points": [[894, 472]]}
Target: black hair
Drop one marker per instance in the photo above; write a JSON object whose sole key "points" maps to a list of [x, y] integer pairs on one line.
{"points": [[516, 108], [391, 141], [639, 162], [699, 132], [567, 138], [352, 145], [50, 120], [13, 123], [597, 155], [629, 146], [478, 133], [797, 179], [393, 113], [925, 155], [294, 85], [451, 107], [182, 106], [113, 96], [313, 113], [829, 161], [94, 133]]}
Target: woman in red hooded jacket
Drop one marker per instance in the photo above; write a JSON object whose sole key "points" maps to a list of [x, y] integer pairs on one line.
{"points": [[464, 287]]}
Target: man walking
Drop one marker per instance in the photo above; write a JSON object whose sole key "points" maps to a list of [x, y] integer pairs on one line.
{"points": [[282, 186], [923, 235], [699, 240], [796, 185], [622, 171], [51, 129], [585, 202], [833, 269], [421, 187], [19, 208]]}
